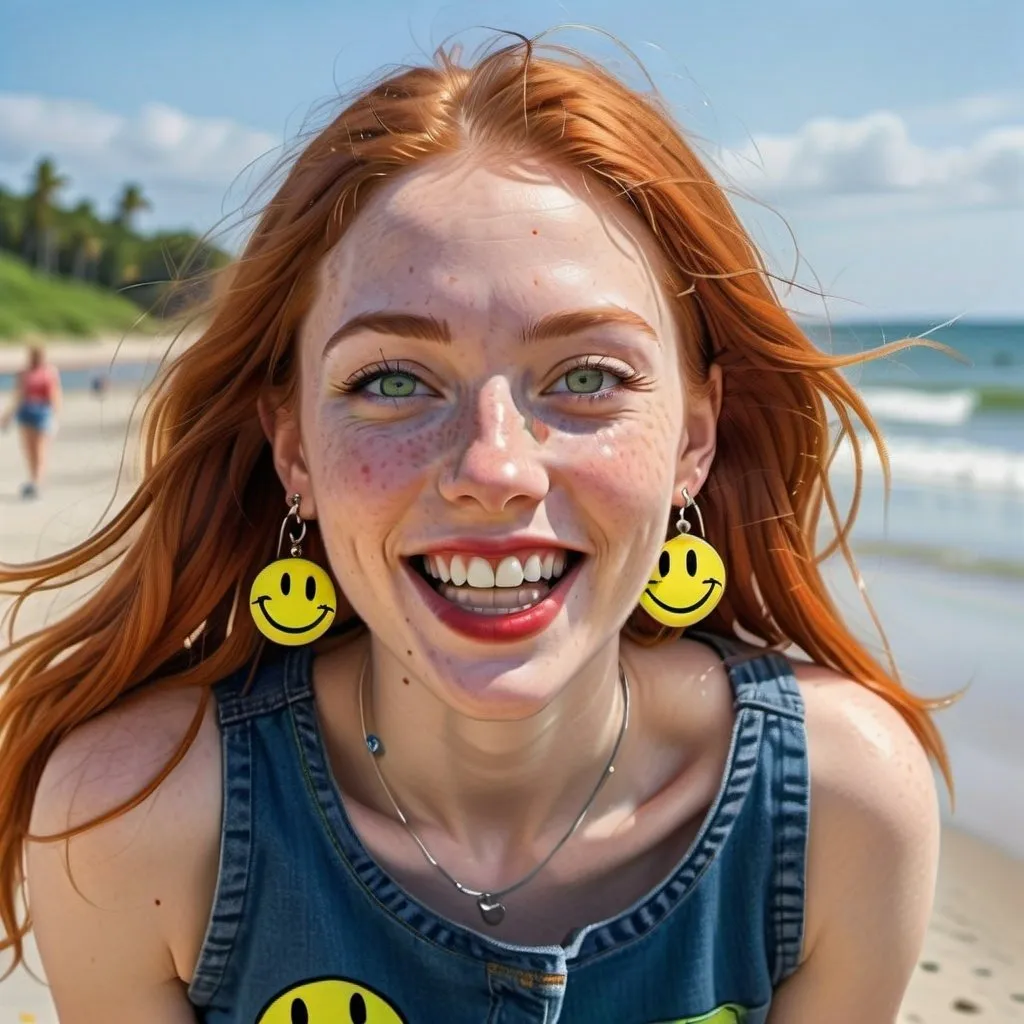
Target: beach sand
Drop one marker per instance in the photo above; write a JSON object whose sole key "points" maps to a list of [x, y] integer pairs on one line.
{"points": [[96, 353], [973, 962]]}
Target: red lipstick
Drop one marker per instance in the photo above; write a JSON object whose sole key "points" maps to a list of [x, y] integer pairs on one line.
{"points": [[503, 628]]}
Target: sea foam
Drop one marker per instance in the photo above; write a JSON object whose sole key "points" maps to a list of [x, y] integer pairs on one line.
{"points": [[905, 405], [945, 463]]}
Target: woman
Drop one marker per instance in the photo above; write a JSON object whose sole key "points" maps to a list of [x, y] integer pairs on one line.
{"points": [[37, 401], [505, 787]]}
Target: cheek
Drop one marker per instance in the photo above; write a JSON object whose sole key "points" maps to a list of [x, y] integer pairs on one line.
{"points": [[366, 464], [630, 461], [626, 472], [368, 475]]}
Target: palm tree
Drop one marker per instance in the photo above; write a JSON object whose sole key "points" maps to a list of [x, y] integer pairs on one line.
{"points": [[46, 183], [86, 241], [12, 216], [130, 202]]}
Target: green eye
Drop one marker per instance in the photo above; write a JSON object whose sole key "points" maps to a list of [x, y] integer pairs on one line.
{"points": [[394, 385], [585, 380]]}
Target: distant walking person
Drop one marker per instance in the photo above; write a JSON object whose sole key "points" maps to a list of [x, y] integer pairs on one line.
{"points": [[37, 401]]}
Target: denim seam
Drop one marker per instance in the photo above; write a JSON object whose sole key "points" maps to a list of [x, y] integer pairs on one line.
{"points": [[308, 772], [707, 846], [769, 708], [792, 800], [633, 925], [286, 685], [243, 709], [739, 774], [229, 899]]}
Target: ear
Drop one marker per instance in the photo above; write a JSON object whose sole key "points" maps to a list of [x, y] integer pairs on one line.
{"points": [[281, 425], [700, 434]]}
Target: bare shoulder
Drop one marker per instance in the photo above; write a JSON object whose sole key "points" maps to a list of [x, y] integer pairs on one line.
{"points": [[135, 890], [867, 766], [111, 759]]}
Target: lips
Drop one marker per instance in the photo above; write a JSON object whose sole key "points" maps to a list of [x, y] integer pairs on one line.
{"points": [[495, 595]]}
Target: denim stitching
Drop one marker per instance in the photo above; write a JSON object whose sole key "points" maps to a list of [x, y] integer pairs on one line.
{"points": [[769, 708], [792, 800], [367, 874], [228, 909]]}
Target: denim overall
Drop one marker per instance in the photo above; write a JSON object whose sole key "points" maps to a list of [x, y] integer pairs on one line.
{"points": [[307, 929]]}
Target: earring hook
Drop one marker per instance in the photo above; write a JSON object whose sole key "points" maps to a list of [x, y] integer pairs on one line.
{"points": [[296, 540], [682, 525]]}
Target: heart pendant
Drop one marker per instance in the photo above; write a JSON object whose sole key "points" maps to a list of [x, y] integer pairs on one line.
{"points": [[491, 910]]}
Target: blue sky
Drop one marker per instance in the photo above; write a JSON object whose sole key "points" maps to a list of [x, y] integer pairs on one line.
{"points": [[890, 136]]}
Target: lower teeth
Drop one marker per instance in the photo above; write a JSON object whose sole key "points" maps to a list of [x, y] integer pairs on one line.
{"points": [[497, 611], [496, 601]]}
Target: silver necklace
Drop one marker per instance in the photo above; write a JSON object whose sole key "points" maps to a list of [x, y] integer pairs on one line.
{"points": [[490, 904]]}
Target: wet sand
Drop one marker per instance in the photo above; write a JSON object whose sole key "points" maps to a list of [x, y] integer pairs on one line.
{"points": [[947, 630]]}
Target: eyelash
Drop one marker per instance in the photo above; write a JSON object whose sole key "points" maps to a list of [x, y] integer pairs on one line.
{"points": [[629, 378], [368, 374]]}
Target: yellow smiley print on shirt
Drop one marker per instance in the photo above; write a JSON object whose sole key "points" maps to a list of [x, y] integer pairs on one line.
{"points": [[330, 1001], [729, 1014]]}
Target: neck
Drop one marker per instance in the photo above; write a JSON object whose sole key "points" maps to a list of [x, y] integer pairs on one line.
{"points": [[493, 782]]}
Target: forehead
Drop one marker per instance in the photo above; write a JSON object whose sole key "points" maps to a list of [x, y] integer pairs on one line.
{"points": [[465, 236]]}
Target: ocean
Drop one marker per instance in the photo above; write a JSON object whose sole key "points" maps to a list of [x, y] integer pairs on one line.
{"points": [[954, 431]]}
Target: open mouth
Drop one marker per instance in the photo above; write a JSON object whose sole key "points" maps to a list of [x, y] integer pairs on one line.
{"points": [[495, 587]]}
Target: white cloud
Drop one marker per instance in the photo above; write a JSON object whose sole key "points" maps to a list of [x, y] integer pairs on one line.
{"points": [[875, 155], [978, 109], [188, 164], [158, 144]]}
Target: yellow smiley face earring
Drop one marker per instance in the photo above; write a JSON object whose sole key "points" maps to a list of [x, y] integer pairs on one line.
{"points": [[292, 600], [689, 579]]}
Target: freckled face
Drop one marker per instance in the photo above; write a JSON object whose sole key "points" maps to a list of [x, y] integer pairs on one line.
{"points": [[419, 442]]}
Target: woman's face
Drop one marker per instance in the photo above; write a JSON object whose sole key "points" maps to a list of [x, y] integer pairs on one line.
{"points": [[493, 426]]}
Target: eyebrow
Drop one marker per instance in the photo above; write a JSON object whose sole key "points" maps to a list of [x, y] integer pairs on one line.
{"points": [[576, 321], [429, 328]]}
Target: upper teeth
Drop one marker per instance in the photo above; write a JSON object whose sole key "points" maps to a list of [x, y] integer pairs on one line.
{"points": [[511, 571]]}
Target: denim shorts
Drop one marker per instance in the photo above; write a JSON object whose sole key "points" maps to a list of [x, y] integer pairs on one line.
{"points": [[35, 415]]}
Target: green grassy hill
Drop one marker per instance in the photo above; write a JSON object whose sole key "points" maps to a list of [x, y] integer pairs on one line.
{"points": [[35, 304]]}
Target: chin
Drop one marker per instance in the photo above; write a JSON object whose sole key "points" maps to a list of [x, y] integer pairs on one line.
{"points": [[493, 691], [505, 646]]}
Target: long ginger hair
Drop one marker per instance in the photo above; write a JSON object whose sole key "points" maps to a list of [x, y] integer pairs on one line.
{"points": [[204, 519]]}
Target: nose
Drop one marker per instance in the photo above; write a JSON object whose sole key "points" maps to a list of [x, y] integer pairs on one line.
{"points": [[498, 459]]}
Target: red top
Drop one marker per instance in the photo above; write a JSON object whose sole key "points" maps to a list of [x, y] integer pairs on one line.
{"points": [[37, 385]]}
